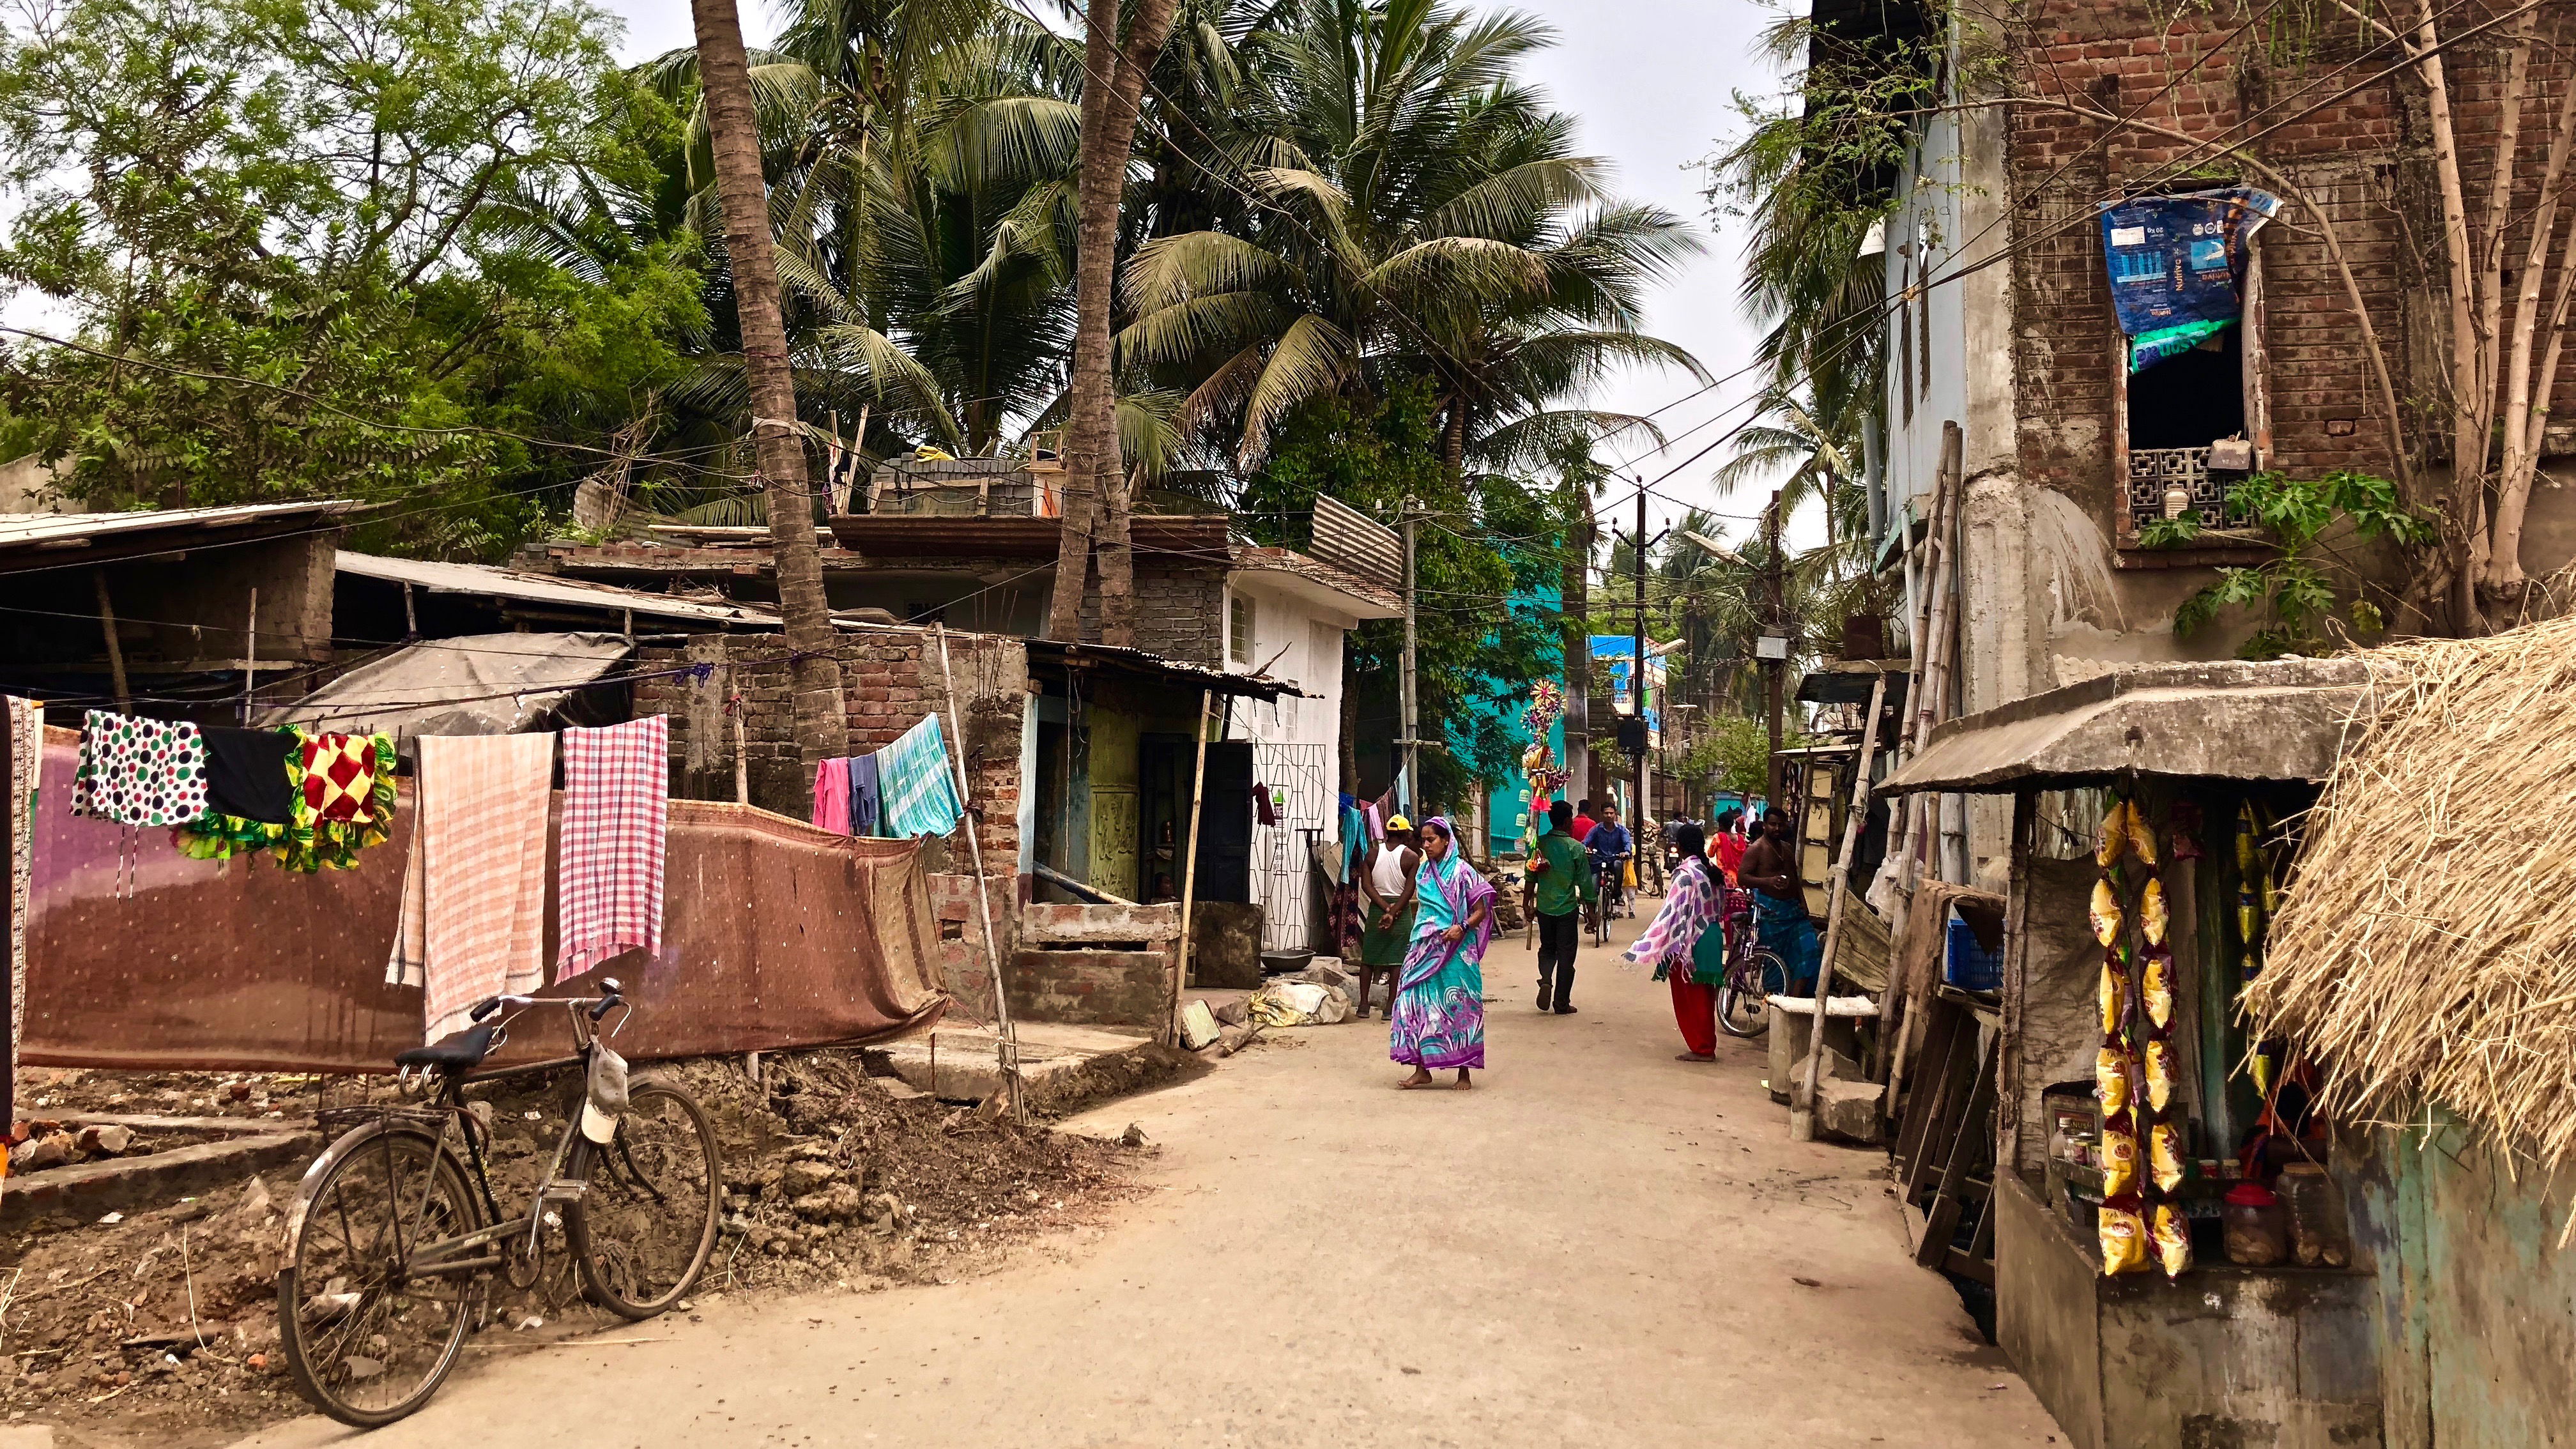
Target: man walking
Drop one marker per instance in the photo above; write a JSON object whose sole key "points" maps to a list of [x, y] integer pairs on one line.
{"points": [[1387, 876], [1560, 886]]}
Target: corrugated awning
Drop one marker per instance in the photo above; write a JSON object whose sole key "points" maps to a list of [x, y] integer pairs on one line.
{"points": [[480, 684], [2277, 721]]}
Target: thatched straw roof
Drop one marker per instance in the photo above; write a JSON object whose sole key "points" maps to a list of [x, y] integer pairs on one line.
{"points": [[2427, 949]]}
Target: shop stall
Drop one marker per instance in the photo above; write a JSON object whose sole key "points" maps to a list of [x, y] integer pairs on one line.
{"points": [[2171, 1264]]}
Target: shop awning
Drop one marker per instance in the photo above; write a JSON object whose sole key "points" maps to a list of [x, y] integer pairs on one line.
{"points": [[2282, 720], [481, 684]]}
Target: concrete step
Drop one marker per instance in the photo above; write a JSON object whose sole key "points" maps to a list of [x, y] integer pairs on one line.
{"points": [[86, 1191], [1058, 1063], [1091, 988]]}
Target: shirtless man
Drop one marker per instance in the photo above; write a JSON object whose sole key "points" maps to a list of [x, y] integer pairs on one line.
{"points": [[1387, 875], [1770, 871]]}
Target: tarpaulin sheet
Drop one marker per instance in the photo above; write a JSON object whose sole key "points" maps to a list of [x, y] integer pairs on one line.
{"points": [[481, 684], [2177, 266], [775, 935]]}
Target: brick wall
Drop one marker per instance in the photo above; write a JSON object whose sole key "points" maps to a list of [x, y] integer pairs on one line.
{"points": [[2363, 161], [1091, 988], [1180, 609], [889, 680]]}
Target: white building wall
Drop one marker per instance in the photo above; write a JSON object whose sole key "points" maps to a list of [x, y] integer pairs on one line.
{"points": [[1297, 741]]}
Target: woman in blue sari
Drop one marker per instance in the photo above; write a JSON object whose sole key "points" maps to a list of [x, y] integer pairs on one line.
{"points": [[1438, 1020]]}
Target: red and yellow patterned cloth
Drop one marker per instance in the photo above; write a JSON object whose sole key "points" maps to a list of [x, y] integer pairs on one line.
{"points": [[339, 778]]}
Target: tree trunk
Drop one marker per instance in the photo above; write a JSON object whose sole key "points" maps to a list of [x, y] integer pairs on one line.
{"points": [[1118, 566], [1112, 97], [1350, 732], [724, 72]]}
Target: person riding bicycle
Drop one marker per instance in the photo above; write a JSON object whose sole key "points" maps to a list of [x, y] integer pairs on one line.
{"points": [[1610, 846]]}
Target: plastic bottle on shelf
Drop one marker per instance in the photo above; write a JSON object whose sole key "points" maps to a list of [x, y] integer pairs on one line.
{"points": [[2316, 1218]]}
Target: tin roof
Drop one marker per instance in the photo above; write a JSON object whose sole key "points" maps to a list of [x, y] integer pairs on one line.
{"points": [[42, 540]]}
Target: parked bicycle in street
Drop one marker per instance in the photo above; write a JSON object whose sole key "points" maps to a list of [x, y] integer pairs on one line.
{"points": [[396, 1238], [1753, 972]]}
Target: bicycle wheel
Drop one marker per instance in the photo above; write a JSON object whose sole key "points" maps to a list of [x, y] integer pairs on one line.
{"points": [[367, 1339], [1743, 1006], [645, 1226]]}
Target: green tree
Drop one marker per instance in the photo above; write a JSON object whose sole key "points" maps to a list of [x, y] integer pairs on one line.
{"points": [[2296, 591], [316, 196]]}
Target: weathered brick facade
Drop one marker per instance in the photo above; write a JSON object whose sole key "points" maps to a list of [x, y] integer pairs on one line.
{"points": [[890, 679], [2346, 130]]}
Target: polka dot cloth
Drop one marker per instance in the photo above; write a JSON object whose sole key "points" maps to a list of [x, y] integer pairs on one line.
{"points": [[140, 771]]}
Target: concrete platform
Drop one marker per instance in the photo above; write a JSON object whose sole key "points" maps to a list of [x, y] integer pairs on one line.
{"points": [[961, 1064], [87, 1190]]}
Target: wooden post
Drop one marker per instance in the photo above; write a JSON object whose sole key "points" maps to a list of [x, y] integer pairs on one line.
{"points": [[115, 650], [1802, 1099], [741, 757], [1190, 872], [250, 658]]}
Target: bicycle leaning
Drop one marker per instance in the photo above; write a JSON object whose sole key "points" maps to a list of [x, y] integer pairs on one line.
{"points": [[395, 1239], [1753, 972]]}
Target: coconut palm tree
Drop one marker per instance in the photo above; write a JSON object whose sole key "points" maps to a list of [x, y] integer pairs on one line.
{"points": [[822, 728], [1419, 210]]}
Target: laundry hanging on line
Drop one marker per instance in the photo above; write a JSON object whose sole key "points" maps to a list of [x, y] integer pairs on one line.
{"points": [[832, 795], [615, 835], [472, 923], [139, 772], [867, 797], [23, 721], [920, 796]]}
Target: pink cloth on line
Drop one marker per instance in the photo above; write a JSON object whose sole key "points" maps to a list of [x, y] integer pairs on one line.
{"points": [[832, 795], [473, 921], [616, 829]]}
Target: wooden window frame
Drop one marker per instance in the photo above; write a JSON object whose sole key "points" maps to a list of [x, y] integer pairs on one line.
{"points": [[2257, 367]]}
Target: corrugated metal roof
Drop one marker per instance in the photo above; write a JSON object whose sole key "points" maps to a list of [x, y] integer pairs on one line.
{"points": [[1139, 661], [84, 537], [1352, 540], [501, 583]]}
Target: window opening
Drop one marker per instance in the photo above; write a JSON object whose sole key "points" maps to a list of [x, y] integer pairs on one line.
{"points": [[1239, 642]]}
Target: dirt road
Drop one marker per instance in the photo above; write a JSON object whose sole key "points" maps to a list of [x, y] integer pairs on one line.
{"points": [[1597, 1245]]}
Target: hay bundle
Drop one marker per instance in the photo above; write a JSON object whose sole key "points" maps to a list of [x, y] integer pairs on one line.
{"points": [[2427, 949]]}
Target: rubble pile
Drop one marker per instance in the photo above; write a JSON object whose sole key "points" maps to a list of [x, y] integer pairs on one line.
{"points": [[163, 1320]]}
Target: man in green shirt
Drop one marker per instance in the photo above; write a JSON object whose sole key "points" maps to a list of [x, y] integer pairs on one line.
{"points": [[1559, 887]]}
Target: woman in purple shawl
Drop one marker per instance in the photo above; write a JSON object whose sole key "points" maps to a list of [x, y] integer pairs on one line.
{"points": [[1439, 1015]]}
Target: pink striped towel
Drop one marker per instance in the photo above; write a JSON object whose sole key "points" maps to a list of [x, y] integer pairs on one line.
{"points": [[474, 894], [616, 825]]}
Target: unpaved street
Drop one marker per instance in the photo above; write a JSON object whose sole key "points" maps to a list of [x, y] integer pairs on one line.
{"points": [[1598, 1245]]}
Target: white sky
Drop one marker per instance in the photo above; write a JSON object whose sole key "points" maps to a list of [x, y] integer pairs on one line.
{"points": [[1650, 81]]}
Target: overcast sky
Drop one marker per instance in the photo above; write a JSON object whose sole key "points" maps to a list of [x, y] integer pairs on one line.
{"points": [[1651, 82]]}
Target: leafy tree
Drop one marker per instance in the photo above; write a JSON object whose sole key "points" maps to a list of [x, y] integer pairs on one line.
{"points": [[1734, 755], [315, 196], [2295, 589]]}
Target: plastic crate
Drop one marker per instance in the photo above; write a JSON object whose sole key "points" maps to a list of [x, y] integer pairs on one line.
{"points": [[1967, 965]]}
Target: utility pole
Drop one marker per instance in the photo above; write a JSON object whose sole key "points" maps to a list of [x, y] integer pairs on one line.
{"points": [[1775, 607], [1411, 742], [1637, 667]]}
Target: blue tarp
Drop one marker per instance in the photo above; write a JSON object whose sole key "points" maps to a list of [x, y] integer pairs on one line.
{"points": [[2177, 266]]}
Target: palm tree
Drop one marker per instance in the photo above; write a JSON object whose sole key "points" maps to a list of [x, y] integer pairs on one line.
{"points": [[821, 725], [1418, 210], [1114, 73]]}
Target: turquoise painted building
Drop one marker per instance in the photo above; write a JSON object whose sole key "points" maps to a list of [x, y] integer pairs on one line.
{"points": [[1508, 805]]}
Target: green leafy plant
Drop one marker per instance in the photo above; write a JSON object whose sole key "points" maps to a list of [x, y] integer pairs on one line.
{"points": [[2296, 587]]}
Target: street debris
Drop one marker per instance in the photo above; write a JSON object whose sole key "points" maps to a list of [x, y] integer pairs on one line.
{"points": [[163, 1324]]}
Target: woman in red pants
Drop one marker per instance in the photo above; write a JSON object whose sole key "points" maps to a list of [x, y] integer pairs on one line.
{"points": [[1693, 905]]}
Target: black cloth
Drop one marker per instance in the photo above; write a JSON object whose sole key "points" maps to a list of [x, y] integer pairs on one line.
{"points": [[1558, 936], [246, 774]]}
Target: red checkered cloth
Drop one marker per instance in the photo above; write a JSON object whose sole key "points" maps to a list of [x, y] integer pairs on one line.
{"points": [[616, 822]]}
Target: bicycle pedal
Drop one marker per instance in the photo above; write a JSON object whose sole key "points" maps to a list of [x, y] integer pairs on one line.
{"points": [[562, 1191]]}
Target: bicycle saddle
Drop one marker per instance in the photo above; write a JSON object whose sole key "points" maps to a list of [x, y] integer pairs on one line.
{"points": [[457, 1052]]}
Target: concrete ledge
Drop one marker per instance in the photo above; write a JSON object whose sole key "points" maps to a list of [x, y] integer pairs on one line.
{"points": [[204, 1126], [87, 1191], [1057, 1062]]}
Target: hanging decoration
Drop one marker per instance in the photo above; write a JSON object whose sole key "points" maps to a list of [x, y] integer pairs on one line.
{"points": [[1539, 763], [2145, 1158]]}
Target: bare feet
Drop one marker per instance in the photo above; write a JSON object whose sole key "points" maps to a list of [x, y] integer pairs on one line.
{"points": [[1463, 1083], [1421, 1078]]}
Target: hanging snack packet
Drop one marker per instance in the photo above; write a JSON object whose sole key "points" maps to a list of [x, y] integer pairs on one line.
{"points": [[2111, 1079], [2155, 988], [2142, 836], [2115, 835], [2124, 1241], [2114, 994], [2105, 913], [2164, 1151], [2160, 1073], [2173, 1239], [2152, 916], [2119, 1159]]}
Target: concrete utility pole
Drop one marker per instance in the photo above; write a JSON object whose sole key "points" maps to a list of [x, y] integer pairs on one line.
{"points": [[1409, 798], [1776, 608], [1637, 668]]}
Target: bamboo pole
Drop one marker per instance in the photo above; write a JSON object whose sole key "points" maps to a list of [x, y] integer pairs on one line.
{"points": [[1802, 1103], [1190, 872], [1006, 1048]]}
